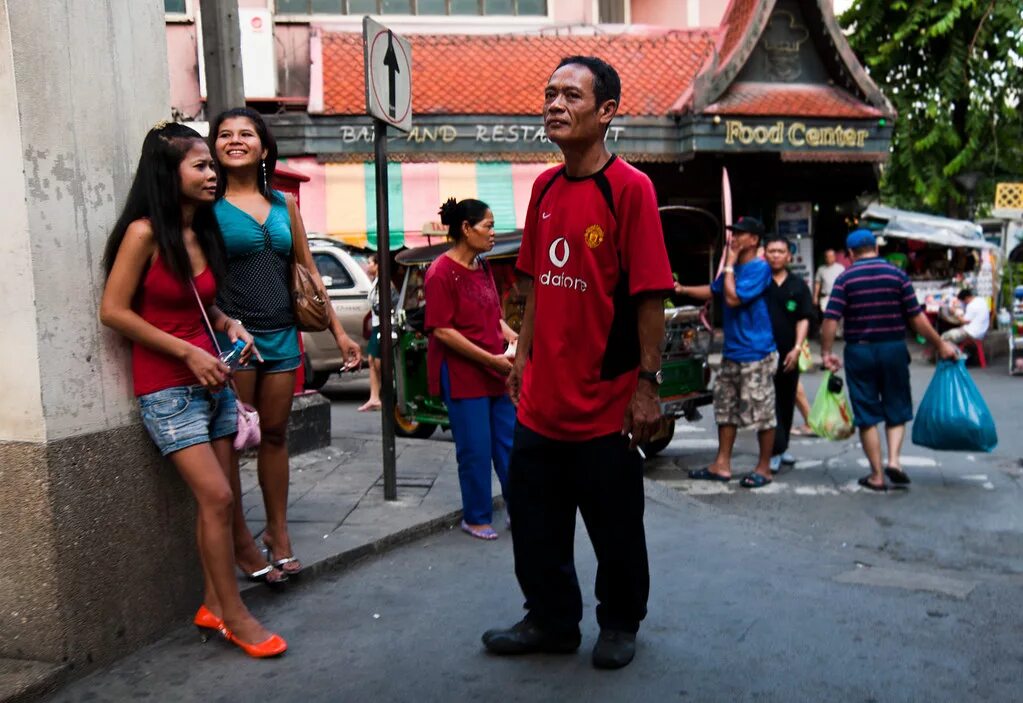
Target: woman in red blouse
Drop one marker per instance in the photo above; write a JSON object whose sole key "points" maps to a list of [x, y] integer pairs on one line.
{"points": [[467, 361]]}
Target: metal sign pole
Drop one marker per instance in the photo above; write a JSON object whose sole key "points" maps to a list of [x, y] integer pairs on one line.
{"points": [[384, 289]]}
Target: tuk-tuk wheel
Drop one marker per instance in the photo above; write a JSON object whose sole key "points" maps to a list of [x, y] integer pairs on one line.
{"points": [[662, 440], [406, 427]]}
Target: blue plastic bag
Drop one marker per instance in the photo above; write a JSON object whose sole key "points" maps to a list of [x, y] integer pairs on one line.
{"points": [[953, 415]]}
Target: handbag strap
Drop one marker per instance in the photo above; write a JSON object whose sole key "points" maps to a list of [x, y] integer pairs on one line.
{"points": [[209, 326]]}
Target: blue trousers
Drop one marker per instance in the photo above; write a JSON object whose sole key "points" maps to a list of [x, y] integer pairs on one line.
{"points": [[483, 429]]}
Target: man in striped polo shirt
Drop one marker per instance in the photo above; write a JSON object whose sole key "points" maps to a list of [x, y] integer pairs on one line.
{"points": [[877, 302]]}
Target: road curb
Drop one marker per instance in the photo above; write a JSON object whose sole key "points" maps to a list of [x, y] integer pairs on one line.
{"points": [[344, 560]]}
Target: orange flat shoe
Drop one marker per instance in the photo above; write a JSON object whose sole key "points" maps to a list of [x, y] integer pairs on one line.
{"points": [[206, 622], [272, 646]]}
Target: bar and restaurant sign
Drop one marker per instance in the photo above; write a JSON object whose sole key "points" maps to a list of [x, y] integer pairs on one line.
{"points": [[652, 139]]}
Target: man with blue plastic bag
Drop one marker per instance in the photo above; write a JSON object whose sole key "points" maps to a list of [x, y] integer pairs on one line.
{"points": [[877, 302]]}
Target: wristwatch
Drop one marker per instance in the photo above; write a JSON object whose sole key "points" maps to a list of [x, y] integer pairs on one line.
{"points": [[655, 377]]}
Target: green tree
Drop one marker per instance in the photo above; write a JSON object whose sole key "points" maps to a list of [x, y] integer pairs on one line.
{"points": [[954, 71]]}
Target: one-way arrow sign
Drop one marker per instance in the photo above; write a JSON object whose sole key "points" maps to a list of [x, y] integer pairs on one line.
{"points": [[391, 61], [388, 75]]}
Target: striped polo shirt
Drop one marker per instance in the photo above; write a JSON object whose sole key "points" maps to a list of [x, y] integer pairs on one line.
{"points": [[876, 299]]}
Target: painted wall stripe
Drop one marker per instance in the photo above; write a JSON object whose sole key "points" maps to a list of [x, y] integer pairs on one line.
{"points": [[457, 180], [314, 193], [523, 176], [395, 209], [494, 187], [421, 190], [346, 200]]}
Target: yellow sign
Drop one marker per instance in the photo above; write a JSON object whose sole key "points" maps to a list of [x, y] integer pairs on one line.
{"points": [[594, 235], [795, 134]]}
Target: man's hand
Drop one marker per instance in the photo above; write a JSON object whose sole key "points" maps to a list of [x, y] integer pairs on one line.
{"points": [[731, 256], [791, 359], [947, 350], [832, 362], [643, 416], [515, 381]]}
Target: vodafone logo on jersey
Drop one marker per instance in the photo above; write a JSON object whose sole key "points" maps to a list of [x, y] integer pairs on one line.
{"points": [[559, 253]]}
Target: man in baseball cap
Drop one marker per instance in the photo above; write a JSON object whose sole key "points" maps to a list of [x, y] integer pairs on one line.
{"points": [[877, 302], [750, 225], [744, 388]]}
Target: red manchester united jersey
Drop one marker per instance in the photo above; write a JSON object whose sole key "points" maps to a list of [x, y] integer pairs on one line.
{"points": [[590, 244]]}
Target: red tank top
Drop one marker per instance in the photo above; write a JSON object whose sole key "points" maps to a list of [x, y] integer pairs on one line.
{"points": [[169, 305]]}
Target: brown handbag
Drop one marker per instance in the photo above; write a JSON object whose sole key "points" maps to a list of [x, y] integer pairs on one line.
{"points": [[309, 299]]}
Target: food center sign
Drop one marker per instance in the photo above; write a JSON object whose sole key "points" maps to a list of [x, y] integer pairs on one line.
{"points": [[795, 134], [868, 139]]}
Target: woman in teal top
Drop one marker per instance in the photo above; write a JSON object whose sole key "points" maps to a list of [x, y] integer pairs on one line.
{"points": [[262, 232]]}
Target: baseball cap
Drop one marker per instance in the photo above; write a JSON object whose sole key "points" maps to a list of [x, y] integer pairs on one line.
{"points": [[748, 224], [860, 238]]}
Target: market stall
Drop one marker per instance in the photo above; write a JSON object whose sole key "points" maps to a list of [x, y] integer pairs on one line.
{"points": [[941, 255]]}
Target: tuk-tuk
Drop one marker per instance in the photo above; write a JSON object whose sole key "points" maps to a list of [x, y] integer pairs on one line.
{"points": [[418, 414]]}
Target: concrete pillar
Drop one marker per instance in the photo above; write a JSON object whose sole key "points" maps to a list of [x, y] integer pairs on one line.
{"points": [[96, 552]]}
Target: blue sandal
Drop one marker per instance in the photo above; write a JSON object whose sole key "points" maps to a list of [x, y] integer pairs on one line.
{"points": [[486, 533], [754, 480], [708, 475]]}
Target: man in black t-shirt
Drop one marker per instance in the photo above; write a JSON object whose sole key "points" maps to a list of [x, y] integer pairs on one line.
{"points": [[790, 307]]}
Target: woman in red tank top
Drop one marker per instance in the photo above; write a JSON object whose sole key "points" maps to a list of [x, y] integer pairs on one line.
{"points": [[164, 254]]}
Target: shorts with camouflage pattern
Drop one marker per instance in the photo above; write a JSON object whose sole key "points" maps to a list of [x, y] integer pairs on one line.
{"points": [[744, 393]]}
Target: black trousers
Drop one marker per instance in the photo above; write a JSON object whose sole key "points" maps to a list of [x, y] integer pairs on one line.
{"points": [[785, 385], [548, 480]]}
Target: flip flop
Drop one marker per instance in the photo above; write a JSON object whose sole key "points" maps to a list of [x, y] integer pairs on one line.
{"points": [[865, 482], [708, 475], [897, 476], [754, 480], [487, 533], [803, 432]]}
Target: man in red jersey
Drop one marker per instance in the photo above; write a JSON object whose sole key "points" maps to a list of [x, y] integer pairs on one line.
{"points": [[586, 376]]}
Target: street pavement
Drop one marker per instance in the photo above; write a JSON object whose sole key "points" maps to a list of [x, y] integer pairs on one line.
{"points": [[739, 611], [962, 511], [808, 590]]}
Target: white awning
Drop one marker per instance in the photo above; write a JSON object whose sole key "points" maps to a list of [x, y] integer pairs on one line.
{"points": [[940, 231]]}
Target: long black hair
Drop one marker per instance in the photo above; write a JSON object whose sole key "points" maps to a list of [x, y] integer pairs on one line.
{"points": [[265, 185], [156, 195], [454, 212]]}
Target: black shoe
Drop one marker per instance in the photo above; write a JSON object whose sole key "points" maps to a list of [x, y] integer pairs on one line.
{"points": [[614, 649], [524, 637]]}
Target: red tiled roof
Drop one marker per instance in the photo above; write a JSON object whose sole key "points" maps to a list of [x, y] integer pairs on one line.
{"points": [[786, 99], [505, 74], [735, 22]]}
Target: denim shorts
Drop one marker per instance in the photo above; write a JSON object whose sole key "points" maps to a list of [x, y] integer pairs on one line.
{"points": [[877, 376], [275, 366], [181, 416]]}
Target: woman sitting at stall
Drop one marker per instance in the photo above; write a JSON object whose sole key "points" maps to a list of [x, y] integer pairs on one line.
{"points": [[466, 359]]}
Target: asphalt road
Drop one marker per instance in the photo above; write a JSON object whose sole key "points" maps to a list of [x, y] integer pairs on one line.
{"points": [[739, 611], [810, 590], [962, 511]]}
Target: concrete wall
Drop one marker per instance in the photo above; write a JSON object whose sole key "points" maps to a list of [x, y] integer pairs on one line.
{"points": [[74, 118], [95, 529]]}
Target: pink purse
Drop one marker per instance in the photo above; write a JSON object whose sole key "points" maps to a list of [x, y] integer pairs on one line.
{"points": [[249, 435]]}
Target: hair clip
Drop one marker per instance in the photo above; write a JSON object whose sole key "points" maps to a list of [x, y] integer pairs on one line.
{"points": [[160, 125]]}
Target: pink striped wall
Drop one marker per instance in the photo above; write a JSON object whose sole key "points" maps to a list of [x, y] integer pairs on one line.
{"points": [[314, 193], [523, 176], [420, 187]]}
